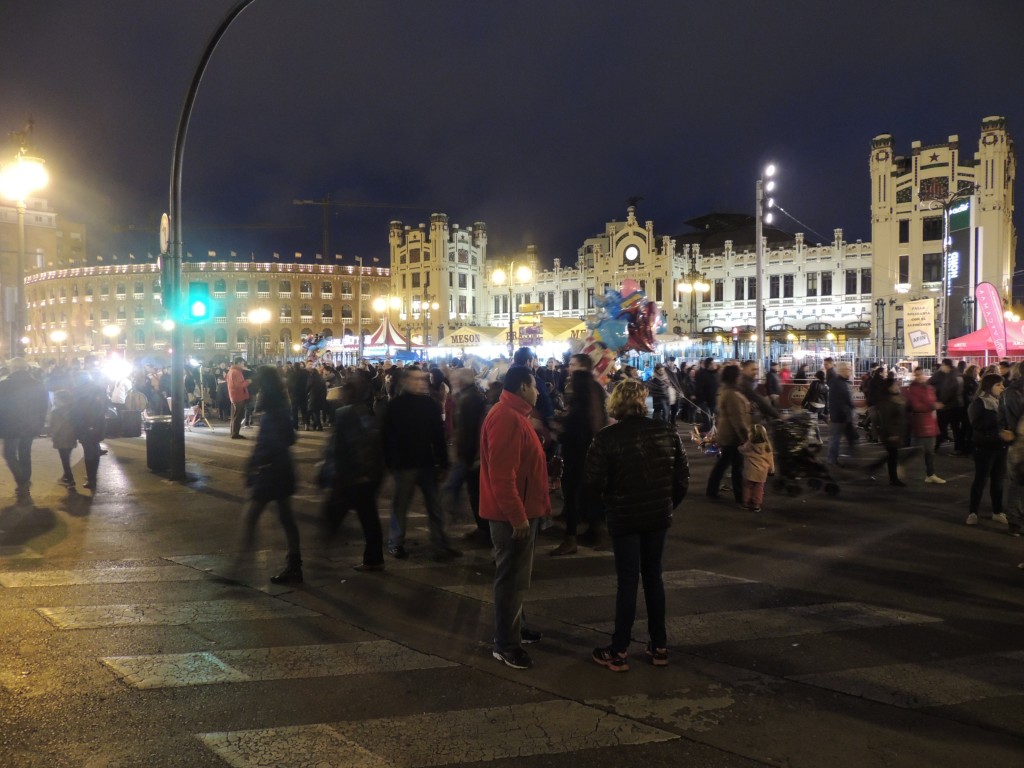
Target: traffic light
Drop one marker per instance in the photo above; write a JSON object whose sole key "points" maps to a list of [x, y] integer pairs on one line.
{"points": [[198, 308]]}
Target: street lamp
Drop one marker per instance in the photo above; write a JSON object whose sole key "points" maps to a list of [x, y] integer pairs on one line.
{"points": [[693, 284], [18, 180], [58, 337], [508, 275], [383, 306], [111, 332], [260, 316], [763, 215], [965, 189]]}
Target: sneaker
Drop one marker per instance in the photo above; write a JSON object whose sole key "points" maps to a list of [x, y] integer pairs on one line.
{"points": [[567, 547], [755, 509], [239, 437], [972, 519], [1000, 517], [398, 552], [606, 657], [530, 636], [935, 479], [67, 483], [657, 656], [516, 658], [1015, 532]]}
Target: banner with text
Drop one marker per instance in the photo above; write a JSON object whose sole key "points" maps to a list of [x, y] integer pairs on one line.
{"points": [[991, 306], [919, 328]]}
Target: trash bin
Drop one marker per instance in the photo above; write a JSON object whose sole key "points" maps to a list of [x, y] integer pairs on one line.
{"points": [[131, 423], [158, 443]]}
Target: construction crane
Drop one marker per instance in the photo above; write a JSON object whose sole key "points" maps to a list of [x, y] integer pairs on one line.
{"points": [[327, 203]]}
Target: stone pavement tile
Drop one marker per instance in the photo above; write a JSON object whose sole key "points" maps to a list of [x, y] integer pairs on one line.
{"points": [[761, 623], [437, 738], [277, 663], [148, 614], [595, 586], [99, 575], [935, 684]]}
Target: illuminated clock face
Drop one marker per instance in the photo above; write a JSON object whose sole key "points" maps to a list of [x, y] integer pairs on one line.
{"points": [[632, 253]]}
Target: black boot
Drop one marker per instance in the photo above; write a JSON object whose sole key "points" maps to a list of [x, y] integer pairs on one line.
{"points": [[292, 573], [92, 467]]}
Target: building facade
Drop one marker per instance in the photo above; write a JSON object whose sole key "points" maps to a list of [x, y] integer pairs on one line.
{"points": [[437, 276], [911, 196], [120, 307]]}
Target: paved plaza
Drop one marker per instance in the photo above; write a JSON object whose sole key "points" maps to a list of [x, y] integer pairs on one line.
{"points": [[869, 629]]}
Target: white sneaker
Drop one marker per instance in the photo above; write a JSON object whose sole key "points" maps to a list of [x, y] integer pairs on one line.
{"points": [[1000, 517], [935, 479], [972, 519]]}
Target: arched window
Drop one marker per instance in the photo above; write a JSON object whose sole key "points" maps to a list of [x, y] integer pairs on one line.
{"points": [[220, 286], [327, 311], [220, 336], [346, 290], [198, 337], [326, 289], [346, 312], [286, 336], [140, 338], [286, 313], [242, 336], [306, 288], [284, 289]]}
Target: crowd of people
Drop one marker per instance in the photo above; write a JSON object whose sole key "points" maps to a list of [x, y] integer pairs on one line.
{"points": [[517, 430]]}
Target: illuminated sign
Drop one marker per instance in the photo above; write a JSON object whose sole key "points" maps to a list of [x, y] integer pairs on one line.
{"points": [[960, 216]]}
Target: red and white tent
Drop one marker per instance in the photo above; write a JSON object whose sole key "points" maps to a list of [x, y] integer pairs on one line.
{"points": [[980, 341], [387, 335]]}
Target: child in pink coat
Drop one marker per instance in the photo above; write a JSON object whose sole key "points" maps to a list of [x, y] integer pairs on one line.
{"points": [[758, 463]]}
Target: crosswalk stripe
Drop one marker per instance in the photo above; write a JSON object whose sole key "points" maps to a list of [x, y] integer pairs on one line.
{"points": [[595, 586], [915, 686], [116, 575], [169, 614], [16, 551], [435, 738], [175, 670], [764, 623]]}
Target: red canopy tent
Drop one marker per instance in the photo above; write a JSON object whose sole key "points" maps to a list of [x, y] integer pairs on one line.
{"points": [[387, 335], [981, 341]]}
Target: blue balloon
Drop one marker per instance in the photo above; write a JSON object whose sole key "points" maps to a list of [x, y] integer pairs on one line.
{"points": [[614, 333]]}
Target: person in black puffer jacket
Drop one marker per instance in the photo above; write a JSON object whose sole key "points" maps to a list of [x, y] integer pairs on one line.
{"points": [[638, 469]]}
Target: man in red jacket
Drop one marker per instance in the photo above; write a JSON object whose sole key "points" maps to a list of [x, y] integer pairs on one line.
{"points": [[513, 498]]}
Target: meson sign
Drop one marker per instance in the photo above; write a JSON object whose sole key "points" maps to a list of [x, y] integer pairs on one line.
{"points": [[459, 339]]}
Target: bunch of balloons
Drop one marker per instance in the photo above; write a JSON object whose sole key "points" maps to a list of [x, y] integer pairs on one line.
{"points": [[315, 345], [624, 320]]}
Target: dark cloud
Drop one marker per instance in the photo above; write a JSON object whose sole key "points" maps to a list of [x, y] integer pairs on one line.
{"points": [[539, 118]]}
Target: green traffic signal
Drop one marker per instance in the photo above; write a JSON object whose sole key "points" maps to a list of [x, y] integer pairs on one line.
{"points": [[198, 301]]}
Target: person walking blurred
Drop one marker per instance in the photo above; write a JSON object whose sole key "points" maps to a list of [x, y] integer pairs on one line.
{"points": [[23, 406], [62, 434], [733, 430], [358, 460], [468, 418], [637, 469], [841, 413], [1011, 419], [238, 394], [924, 425], [758, 463], [271, 471], [416, 452], [584, 419]]}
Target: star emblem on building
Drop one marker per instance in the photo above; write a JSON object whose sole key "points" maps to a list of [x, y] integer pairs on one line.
{"points": [[934, 157]]}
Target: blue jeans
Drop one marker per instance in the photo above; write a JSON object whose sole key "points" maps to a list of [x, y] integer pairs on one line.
{"points": [[927, 445], [1015, 503], [513, 567], [406, 482], [836, 430], [638, 556]]}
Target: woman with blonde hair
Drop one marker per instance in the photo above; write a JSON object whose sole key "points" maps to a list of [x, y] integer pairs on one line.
{"points": [[637, 469]]}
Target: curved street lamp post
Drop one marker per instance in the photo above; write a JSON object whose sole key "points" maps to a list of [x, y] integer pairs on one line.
{"points": [[501, 276]]}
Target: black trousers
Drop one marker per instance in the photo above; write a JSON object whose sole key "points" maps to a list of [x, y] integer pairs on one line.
{"points": [[362, 497], [730, 456]]}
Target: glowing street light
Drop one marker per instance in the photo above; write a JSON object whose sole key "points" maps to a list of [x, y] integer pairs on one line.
{"points": [[502, 276], [762, 211], [259, 316], [18, 180]]}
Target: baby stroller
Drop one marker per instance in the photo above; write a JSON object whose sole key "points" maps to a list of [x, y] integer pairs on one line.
{"points": [[796, 445]]}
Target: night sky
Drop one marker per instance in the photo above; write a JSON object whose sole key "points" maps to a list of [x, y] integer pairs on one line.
{"points": [[539, 118]]}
